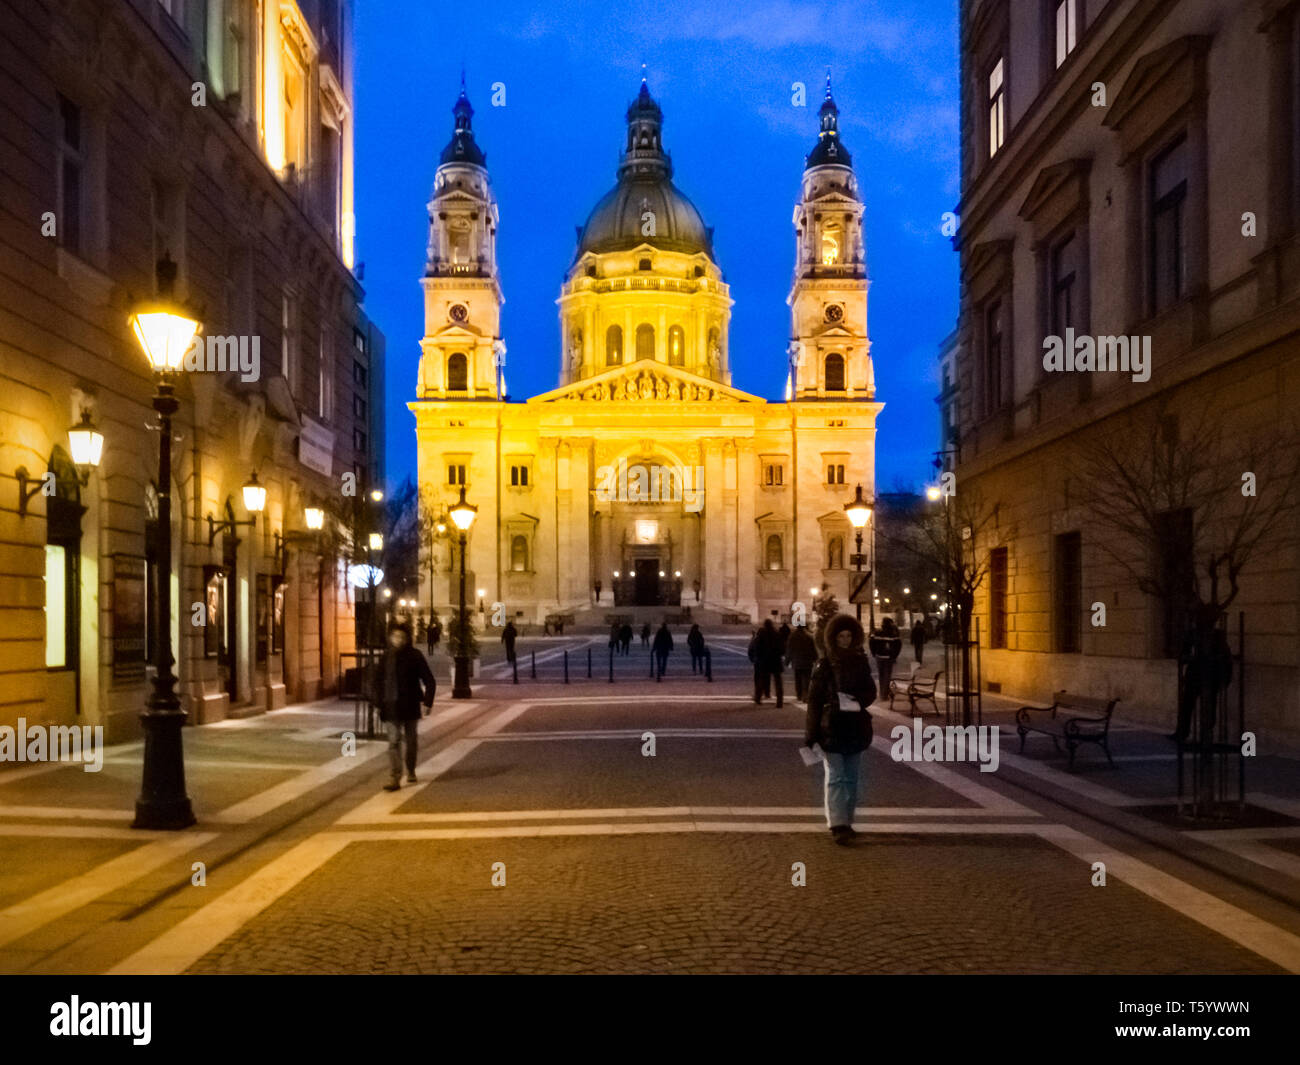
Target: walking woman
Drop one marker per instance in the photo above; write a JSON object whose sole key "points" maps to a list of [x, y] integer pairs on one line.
{"points": [[839, 693]]}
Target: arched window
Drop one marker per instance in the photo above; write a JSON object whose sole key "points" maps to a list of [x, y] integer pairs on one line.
{"points": [[645, 342], [614, 345], [519, 554], [835, 553], [775, 555], [834, 372], [457, 372], [676, 346], [830, 246]]}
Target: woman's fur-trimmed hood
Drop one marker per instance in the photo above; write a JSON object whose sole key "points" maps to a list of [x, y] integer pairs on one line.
{"points": [[839, 623]]}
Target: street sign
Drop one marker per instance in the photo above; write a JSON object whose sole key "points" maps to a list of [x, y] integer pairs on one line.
{"points": [[859, 594]]}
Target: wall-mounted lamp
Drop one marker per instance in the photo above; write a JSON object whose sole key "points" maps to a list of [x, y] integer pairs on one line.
{"points": [[254, 502]]}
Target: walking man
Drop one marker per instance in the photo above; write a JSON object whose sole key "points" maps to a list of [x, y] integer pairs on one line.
{"points": [[663, 646], [886, 646], [767, 662], [801, 655], [919, 636], [695, 642], [403, 690], [508, 636], [645, 634], [625, 638], [839, 693]]}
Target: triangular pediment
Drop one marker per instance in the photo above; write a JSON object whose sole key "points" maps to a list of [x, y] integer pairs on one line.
{"points": [[647, 381]]}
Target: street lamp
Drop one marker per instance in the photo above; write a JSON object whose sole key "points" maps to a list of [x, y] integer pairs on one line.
{"points": [[87, 446], [314, 517], [462, 516], [164, 335], [859, 513]]}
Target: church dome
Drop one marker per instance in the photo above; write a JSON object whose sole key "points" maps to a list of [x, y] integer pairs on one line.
{"points": [[618, 222]]}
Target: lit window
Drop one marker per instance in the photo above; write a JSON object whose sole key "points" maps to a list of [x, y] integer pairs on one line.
{"points": [[997, 108], [56, 614], [676, 346], [1066, 29], [775, 554], [830, 250], [519, 554], [614, 345]]}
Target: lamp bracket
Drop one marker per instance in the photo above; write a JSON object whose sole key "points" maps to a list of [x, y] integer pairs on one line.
{"points": [[227, 526], [25, 493]]}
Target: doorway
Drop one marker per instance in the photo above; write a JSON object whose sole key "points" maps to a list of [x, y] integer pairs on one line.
{"points": [[230, 580], [647, 582]]}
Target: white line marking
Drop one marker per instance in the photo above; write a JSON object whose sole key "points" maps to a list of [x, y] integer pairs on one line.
{"points": [[24, 917], [650, 811], [1259, 852], [76, 813], [623, 734], [1267, 940]]}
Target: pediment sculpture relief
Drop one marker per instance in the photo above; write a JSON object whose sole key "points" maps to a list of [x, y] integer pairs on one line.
{"points": [[647, 385]]}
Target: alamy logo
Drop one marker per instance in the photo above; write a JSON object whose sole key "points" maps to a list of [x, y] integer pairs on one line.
{"points": [[102, 1018], [53, 743], [219, 354], [953, 743], [1100, 354], [651, 484]]}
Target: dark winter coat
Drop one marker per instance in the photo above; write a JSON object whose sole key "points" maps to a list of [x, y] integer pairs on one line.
{"points": [[800, 651], [663, 641], [695, 640], [413, 673], [885, 646], [840, 731], [767, 649]]}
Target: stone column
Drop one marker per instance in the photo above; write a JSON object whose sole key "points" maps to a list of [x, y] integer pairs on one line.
{"points": [[746, 560]]}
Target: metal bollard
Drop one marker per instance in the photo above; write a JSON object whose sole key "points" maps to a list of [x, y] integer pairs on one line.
{"points": [[708, 665], [514, 667], [566, 665], [534, 657], [589, 663], [611, 665], [652, 663]]}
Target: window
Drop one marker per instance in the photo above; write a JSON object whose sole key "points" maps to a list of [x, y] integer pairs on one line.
{"points": [[834, 372], [295, 116], [773, 474], [993, 355], [1069, 592], [676, 346], [614, 345], [1066, 29], [288, 337], [359, 342], [325, 406], [1065, 294], [456, 473], [830, 246], [1175, 576], [835, 473], [519, 554], [645, 342], [457, 372], [997, 107], [518, 476], [835, 553], [998, 597], [358, 406], [1168, 192], [72, 163], [358, 440], [358, 374], [775, 559], [62, 566]]}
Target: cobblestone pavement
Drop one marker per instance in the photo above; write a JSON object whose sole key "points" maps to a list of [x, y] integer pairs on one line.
{"points": [[543, 837]]}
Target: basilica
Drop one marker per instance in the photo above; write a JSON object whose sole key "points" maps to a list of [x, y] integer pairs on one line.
{"points": [[646, 478]]}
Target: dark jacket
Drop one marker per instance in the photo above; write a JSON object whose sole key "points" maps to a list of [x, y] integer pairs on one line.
{"points": [[800, 651], [695, 639], [887, 646], [663, 641], [412, 672], [919, 635], [767, 645], [840, 731], [508, 634]]}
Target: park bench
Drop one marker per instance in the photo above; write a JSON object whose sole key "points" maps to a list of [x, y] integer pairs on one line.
{"points": [[916, 688], [1092, 725]]}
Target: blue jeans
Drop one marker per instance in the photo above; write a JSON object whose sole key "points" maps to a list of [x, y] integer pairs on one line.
{"points": [[402, 733], [841, 787]]}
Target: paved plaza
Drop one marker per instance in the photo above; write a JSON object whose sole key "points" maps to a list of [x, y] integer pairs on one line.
{"points": [[543, 836]]}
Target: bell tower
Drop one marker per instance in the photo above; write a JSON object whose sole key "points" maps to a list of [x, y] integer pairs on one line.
{"points": [[830, 353], [462, 354]]}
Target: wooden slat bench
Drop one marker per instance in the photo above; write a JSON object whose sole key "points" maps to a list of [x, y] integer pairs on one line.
{"points": [[1090, 725]]}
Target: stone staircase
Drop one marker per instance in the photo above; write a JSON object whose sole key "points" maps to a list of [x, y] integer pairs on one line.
{"points": [[597, 620]]}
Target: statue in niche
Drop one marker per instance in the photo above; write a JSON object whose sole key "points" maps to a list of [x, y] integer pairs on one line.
{"points": [[715, 353], [575, 353]]}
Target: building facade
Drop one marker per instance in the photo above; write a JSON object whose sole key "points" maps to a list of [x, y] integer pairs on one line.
{"points": [[1129, 174], [213, 137], [646, 477]]}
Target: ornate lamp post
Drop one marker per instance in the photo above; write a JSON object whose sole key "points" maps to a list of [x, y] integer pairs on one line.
{"points": [[859, 513], [462, 516], [164, 335]]}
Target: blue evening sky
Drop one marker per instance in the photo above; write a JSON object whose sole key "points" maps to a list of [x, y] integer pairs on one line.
{"points": [[722, 72]]}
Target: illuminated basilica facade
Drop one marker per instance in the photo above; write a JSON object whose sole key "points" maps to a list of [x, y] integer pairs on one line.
{"points": [[646, 478]]}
